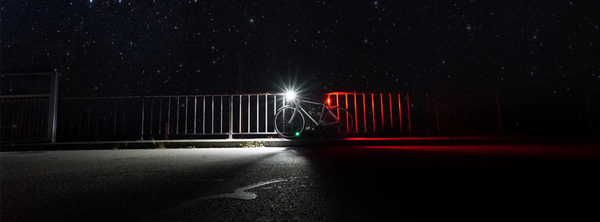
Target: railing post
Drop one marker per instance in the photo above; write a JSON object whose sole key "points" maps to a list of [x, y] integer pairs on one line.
{"points": [[53, 107], [231, 117], [364, 113], [373, 110], [203, 114], [195, 112], [142, 128], [221, 113], [382, 116], [248, 113], [400, 111], [266, 113], [178, 111], [186, 115], [391, 113], [257, 114], [212, 124]]}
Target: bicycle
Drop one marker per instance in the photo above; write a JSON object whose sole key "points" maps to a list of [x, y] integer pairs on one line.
{"points": [[290, 119]]}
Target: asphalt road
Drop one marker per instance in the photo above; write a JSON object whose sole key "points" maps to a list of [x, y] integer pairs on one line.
{"points": [[453, 183]]}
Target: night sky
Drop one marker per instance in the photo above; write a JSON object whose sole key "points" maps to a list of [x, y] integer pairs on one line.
{"points": [[145, 47]]}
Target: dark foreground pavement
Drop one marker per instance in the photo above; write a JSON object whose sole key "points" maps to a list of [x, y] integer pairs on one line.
{"points": [[367, 183]]}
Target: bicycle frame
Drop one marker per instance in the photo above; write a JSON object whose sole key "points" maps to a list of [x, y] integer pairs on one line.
{"points": [[299, 108]]}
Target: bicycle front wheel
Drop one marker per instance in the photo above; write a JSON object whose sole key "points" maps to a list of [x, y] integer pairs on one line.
{"points": [[289, 122], [339, 122]]}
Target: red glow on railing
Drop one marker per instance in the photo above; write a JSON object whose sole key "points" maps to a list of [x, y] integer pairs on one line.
{"points": [[328, 101], [373, 111], [331, 93], [382, 118]]}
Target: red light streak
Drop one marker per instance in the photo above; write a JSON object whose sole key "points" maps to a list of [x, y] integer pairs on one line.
{"points": [[382, 119], [347, 124], [364, 112], [373, 110], [400, 112], [391, 117], [416, 138], [355, 117]]}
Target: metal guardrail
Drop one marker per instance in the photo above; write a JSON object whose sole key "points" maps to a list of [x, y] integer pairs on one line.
{"points": [[198, 115], [24, 119], [167, 117], [405, 114], [208, 116], [251, 115], [28, 107]]}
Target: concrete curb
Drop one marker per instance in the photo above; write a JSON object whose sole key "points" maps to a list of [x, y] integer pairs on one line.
{"points": [[313, 142]]}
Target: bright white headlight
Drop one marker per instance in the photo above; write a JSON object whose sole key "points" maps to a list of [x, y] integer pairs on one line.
{"points": [[290, 95]]}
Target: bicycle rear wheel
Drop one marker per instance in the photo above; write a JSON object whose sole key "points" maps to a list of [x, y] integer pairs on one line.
{"points": [[344, 123], [289, 122]]}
